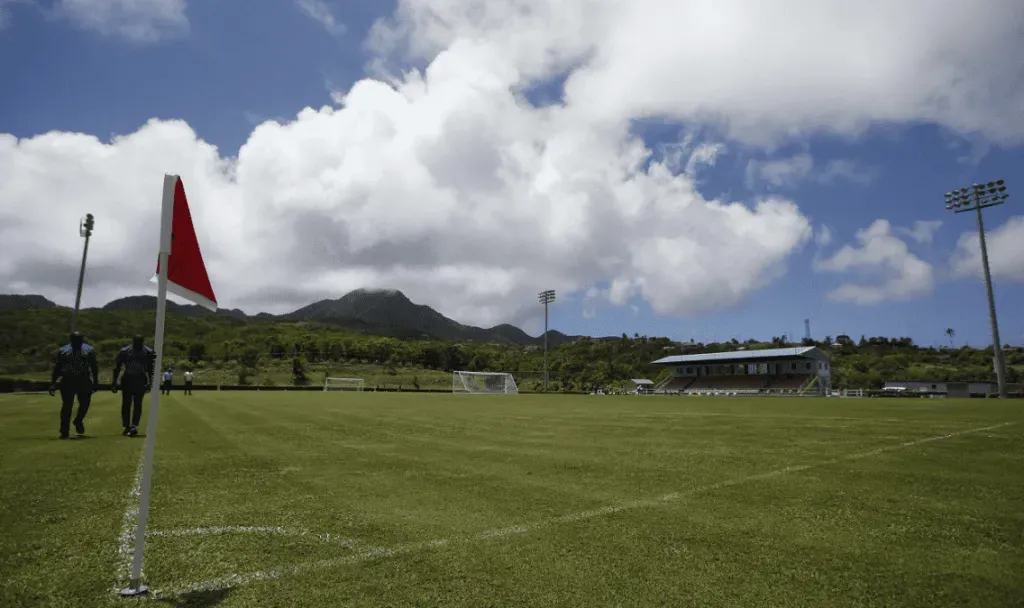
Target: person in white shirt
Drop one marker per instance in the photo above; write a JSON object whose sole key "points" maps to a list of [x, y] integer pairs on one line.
{"points": [[188, 381], [168, 380]]}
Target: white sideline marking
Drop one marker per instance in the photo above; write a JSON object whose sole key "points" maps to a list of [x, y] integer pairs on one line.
{"points": [[225, 530], [235, 580], [327, 538], [698, 414], [126, 547]]}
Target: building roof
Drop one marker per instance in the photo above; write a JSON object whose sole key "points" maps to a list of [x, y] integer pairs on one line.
{"points": [[939, 382], [642, 381], [739, 355]]}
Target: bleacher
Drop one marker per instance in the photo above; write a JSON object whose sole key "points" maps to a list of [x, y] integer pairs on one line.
{"points": [[735, 384], [789, 382], [676, 384], [791, 370]]}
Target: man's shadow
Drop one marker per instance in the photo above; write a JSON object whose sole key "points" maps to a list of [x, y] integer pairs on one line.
{"points": [[197, 599]]}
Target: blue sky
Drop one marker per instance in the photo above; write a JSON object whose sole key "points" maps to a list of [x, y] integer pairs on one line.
{"points": [[238, 64]]}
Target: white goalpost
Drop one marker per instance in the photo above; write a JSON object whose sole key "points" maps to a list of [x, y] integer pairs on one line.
{"points": [[343, 384], [484, 383]]}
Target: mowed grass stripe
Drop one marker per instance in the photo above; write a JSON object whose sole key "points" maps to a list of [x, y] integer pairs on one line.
{"points": [[443, 544], [61, 502], [402, 470]]}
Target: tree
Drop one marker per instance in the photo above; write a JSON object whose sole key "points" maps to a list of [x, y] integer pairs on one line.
{"points": [[299, 371], [950, 332]]}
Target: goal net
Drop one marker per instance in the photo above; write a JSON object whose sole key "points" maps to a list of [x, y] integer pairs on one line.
{"points": [[484, 383], [343, 384]]}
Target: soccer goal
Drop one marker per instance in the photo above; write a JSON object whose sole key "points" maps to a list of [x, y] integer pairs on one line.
{"points": [[484, 383], [343, 384]]}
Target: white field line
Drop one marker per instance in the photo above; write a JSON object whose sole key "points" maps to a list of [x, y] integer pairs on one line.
{"points": [[126, 544], [235, 580], [697, 414], [276, 530], [225, 530]]}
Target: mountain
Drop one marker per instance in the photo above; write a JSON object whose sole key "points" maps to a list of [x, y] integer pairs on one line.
{"points": [[149, 303], [389, 312], [24, 302], [385, 312]]}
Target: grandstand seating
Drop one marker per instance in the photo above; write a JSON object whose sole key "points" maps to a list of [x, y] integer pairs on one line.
{"points": [[676, 384], [728, 382], [789, 382]]}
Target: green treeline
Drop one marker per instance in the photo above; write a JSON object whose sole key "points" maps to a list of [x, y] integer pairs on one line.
{"points": [[243, 349]]}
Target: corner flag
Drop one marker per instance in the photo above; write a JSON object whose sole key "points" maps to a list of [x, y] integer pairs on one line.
{"points": [[186, 272], [183, 274]]}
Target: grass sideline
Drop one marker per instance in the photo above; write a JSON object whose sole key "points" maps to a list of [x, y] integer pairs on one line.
{"points": [[528, 500]]}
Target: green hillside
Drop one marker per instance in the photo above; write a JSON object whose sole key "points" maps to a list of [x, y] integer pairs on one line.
{"points": [[226, 349]]}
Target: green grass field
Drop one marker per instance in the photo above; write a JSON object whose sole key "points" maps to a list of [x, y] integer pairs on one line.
{"points": [[379, 499]]}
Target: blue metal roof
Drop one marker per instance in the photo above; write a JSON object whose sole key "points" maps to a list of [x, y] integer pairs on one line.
{"points": [[737, 355]]}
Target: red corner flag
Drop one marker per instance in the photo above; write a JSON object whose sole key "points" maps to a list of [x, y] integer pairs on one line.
{"points": [[186, 272], [185, 275]]}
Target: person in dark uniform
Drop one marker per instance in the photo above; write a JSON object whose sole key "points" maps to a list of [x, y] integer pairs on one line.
{"points": [[138, 361], [78, 370]]}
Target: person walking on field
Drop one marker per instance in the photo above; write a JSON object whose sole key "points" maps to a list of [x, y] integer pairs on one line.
{"points": [[138, 361], [165, 389], [188, 381], [78, 370]]}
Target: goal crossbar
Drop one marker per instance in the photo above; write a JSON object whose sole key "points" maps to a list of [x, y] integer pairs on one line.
{"points": [[483, 383], [343, 384]]}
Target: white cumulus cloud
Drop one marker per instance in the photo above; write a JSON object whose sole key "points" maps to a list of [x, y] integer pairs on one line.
{"points": [[137, 20], [449, 187], [923, 231], [824, 236], [1005, 247], [780, 172], [905, 276], [445, 183], [794, 170], [322, 13], [763, 71]]}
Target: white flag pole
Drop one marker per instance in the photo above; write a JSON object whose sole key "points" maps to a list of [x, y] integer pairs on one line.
{"points": [[136, 587]]}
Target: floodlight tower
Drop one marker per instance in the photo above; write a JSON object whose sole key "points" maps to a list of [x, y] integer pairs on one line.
{"points": [[546, 297], [84, 230], [976, 198]]}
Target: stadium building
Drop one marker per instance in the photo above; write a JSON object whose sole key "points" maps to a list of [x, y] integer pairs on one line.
{"points": [[804, 370]]}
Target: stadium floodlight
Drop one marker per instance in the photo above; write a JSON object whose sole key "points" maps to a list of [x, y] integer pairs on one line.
{"points": [[85, 227], [343, 384], [483, 383], [976, 198], [546, 297]]}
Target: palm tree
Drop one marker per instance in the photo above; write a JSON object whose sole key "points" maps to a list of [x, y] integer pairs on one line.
{"points": [[950, 332]]}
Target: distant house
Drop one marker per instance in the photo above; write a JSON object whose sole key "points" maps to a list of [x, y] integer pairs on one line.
{"points": [[642, 385], [950, 389]]}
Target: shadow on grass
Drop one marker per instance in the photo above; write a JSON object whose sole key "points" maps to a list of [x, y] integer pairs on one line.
{"points": [[197, 599]]}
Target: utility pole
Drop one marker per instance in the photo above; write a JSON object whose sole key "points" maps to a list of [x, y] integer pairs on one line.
{"points": [[85, 230], [976, 198], [546, 297]]}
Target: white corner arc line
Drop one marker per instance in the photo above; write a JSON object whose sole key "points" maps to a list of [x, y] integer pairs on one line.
{"points": [[235, 580]]}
